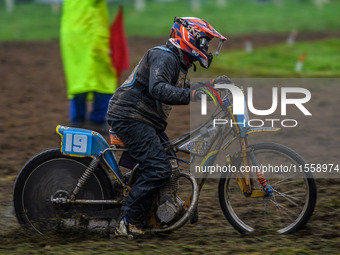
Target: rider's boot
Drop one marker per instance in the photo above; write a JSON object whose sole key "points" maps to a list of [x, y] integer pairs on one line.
{"points": [[129, 230]]}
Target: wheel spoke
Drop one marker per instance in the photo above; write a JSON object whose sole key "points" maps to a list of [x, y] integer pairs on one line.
{"points": [[286, 197], [292, 200], [284, 210], [281, 181], [278, 211]]}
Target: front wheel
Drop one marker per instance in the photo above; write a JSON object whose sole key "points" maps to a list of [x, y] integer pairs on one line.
{"points": [[51, 174], [293, 197]]}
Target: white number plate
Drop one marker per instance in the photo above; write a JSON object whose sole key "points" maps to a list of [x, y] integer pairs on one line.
{"points": [[77, 143]]}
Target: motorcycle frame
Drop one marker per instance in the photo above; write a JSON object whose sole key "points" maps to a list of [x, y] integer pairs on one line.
{"points": [[100, 150]]}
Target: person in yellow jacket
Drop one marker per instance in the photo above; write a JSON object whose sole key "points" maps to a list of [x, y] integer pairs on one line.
{"points": [[86, 59]]}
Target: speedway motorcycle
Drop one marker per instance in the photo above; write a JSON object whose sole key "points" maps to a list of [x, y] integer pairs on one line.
{"points": [[82, 183]]}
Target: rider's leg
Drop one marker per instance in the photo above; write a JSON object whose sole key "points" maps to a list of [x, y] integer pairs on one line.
{"points": [[155, 169]]}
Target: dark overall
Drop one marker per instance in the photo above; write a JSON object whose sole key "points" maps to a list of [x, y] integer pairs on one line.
{"points": [[137, 113]]}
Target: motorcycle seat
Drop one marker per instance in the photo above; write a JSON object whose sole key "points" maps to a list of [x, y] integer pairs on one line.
{"points": [[114, 139]]}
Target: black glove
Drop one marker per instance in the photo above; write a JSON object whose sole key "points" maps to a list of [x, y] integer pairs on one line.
{"points": [[221, 80], [196, 94]]}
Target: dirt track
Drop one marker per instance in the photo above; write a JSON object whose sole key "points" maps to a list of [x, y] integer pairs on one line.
{"points": [[33, 102]]}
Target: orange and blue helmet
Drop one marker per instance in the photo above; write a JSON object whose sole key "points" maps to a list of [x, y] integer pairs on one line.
{"points": [[192, 35]]}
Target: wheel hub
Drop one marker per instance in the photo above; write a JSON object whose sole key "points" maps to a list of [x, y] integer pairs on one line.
{"points": [[60, 198]]}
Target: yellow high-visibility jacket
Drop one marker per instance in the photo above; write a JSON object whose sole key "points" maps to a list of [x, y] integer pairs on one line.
{"points": [[85, 51]]}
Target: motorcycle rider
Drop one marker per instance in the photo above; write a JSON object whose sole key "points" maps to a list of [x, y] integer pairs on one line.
{"points": [[138, 111]]}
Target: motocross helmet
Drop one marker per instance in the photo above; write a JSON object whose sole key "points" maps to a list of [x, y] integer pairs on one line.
{"points": [[192, 35]]}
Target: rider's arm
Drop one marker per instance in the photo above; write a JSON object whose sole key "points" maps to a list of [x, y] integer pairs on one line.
{"points": [[164, 70]]}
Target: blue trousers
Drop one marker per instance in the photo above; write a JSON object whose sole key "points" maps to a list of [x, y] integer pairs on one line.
{"points": [[78, 109], [145, 146]]}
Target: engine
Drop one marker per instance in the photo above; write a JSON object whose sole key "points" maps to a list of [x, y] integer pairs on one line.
{"points": [[169, 205]]}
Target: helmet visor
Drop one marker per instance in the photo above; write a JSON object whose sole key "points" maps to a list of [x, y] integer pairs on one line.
{"points": [[219, 47]]}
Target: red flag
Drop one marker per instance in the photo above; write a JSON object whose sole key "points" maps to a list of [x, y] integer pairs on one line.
{"points": [[118, 44]]}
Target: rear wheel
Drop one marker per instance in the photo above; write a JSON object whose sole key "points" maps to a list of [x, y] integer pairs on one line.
{"points": [[292, 201], [49, 175]]}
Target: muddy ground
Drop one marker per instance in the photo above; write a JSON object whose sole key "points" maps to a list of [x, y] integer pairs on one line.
{"points": [[33, 102]]}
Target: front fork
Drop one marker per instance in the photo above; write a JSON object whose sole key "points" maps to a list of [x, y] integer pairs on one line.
{"points": [[244, 181]]}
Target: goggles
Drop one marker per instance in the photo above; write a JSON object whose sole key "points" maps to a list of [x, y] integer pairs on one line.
{"points": [[204, 44]]}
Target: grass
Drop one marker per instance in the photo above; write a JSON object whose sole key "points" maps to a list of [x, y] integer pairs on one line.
{"points": [[323, 60], [238, 17], [32, 21], [29, 22]]}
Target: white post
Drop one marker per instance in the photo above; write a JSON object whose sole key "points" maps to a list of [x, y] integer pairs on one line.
{"points": [[9, 5], [221, 3], [292, 36], [299, 63], [319, 3], [278, 2], [248, 45], [55, 6], [140, 5], [195, 5]]}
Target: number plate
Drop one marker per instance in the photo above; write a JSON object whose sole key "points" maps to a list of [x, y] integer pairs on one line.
{"points": [[77, 143]]}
